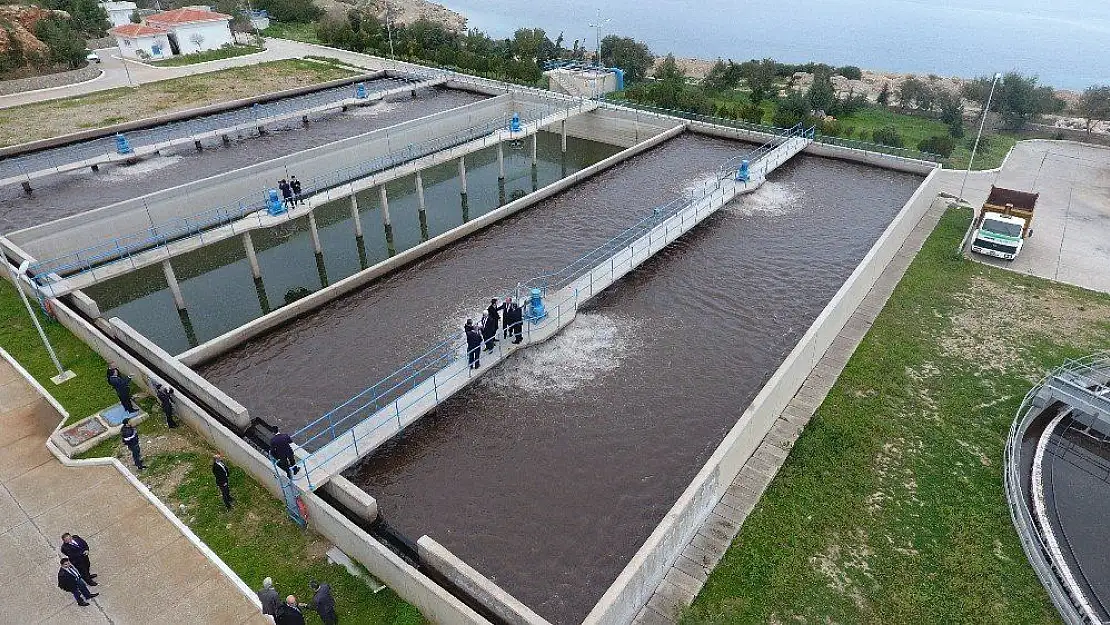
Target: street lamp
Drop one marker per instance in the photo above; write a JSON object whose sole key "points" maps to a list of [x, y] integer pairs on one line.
{"points": [[63, 374], [982, 123], [597, 26], [389, 28]]}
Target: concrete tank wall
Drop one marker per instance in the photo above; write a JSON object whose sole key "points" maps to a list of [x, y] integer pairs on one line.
{"points": [[617, 127], [98, 226], [636, 583]]}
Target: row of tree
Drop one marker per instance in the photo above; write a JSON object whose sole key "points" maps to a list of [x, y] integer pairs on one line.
{"points": [[64, 38]]}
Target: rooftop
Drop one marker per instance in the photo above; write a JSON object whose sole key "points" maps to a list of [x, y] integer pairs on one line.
{"points": [[186, 16], [137, 30]]}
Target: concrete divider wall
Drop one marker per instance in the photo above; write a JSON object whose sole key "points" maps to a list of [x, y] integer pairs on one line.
{"points": [[211, 349], [636, 583], [500, 603], [181, 376], [147, 122], [352, 498], [434, 602], [99, 226], [617, 127]]}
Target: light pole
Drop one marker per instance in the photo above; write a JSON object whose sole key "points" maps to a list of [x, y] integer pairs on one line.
{"points": [[63, 374], [389, 28], [597, 26], [982, 123]]}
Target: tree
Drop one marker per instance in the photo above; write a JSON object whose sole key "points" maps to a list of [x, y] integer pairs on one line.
{"points": [[631, 56], [851, 72], [302, 11], [723, 76], [952, 114], [66, 44], [1017, 98], [821, 95], [911, 92], [1094, 105], [135, 17], [669, 70], [528, 43], [887, 135], [792, 109], [883, 99], [942, 145], [760, 77]]}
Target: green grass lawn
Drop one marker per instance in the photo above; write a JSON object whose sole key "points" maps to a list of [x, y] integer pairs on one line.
{"points": [[227, 52], [297, 31], [82, 396], [256, 538], [890, 507]]}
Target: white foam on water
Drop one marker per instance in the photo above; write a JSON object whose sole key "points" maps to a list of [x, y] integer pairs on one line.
{"points": [[383, 106], [141, 168], [773, 199], [592, 344]]}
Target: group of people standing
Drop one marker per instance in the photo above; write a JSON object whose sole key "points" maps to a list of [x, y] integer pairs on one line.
{"points": [[507, 316], [74, 574], [290, 192], [291, 612]]}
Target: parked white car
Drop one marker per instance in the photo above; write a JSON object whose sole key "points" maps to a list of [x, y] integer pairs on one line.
{"points": [[92, 57]]}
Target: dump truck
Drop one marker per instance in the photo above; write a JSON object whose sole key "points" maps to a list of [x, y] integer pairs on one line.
{"points": [[1004, 223]]}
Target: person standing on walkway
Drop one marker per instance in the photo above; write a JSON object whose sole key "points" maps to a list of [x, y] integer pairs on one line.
{"points": [[295, 185], [130, 437], [77, 550], [286, 193], [494, 314], [290, 613], [473, 344], [281, 448], [269, 598], [489, 330], [323, 603], [514, 320], [122, 384], [219, 470], [70, 580], [165, 397]]}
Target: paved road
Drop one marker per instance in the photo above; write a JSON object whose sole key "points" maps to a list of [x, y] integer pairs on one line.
{"points": [[1071, 226], [149, 573], [117, 75]]}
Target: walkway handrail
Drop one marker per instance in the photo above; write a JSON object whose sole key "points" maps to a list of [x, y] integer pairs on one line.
{"points": [[119, 249], [24, 165], [338, 421], [1036, 549], [907, 153]]}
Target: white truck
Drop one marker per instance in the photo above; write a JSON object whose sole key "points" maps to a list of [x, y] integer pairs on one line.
{"points": [[1004, 223]]}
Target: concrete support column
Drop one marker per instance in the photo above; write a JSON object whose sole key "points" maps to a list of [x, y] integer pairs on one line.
{"points": [[226, 139], [197, 145], [27, 187], [421, 207], [500, 161], [252, 258], [316, 247], [175, 288], [95, 167], [355, 216], [462, 176], [563, 133], [535, 149], [385, 220]]}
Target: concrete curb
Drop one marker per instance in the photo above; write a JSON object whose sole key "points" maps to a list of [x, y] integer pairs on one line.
{"points": [[240, 585], [197, 64], [44, 89]]}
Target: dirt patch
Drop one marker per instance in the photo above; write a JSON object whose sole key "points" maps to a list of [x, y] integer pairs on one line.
{"points": [[845, 565], [104, 108], [998, 320]]}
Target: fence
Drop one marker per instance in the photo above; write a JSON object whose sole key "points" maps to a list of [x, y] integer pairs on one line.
{"points": [[743, 125], [444, 362], [53, 158], [124, 248]]}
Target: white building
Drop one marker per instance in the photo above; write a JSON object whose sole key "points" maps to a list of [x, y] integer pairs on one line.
{"points": [[193, 29], [139, 41], [119, 13]]}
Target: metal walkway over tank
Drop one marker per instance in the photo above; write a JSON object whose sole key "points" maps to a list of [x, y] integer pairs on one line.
{"points": [[338, 439]]}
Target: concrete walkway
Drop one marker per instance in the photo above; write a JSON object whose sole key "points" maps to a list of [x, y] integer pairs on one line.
{"points": [[117, 75], [689, 573], [149, 572]]}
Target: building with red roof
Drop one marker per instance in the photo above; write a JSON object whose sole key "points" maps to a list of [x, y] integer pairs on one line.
{"points": [[180, 31]]}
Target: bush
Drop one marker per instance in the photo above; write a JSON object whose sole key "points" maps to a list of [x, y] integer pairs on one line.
{"points": [[290, 10], [829, 127], [943, 145], [851, 72], [752, 113], [887, 135]]}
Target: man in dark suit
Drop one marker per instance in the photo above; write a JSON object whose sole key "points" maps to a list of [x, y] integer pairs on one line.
{"points": [[290, 613], [122, 385], [130, 437], [219, 470], [281, 448], [514, 320], [323, 603], [70, 580], [165, 398], [77, 551]]}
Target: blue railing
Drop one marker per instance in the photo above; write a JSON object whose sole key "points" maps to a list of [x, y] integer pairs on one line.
{"points": [[867, 146], [122, 249], [54, 158], [344, 417]]}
